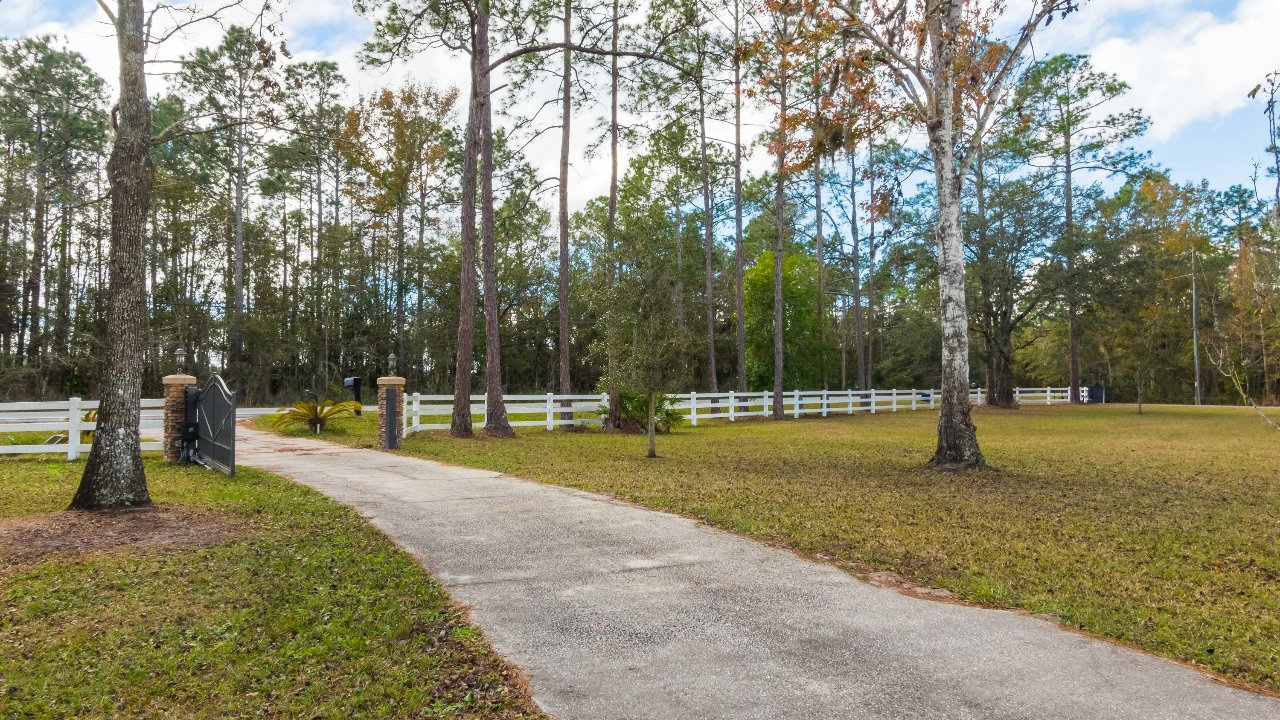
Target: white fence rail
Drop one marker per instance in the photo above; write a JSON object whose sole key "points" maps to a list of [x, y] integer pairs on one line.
{"points": [[550, 411], [64, 417]]}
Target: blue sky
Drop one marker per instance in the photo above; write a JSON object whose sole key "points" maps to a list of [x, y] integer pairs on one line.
{"points": [[1190, 64]]}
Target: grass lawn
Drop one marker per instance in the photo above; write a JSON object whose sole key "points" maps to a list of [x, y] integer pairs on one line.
{"points": [[264, 599], [1160, 530]]}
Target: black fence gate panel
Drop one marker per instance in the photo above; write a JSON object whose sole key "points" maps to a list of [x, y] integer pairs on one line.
{"points": [[216, 426]]}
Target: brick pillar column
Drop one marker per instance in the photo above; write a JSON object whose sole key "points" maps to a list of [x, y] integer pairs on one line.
{"points": [[175, 412], [383, 384]]}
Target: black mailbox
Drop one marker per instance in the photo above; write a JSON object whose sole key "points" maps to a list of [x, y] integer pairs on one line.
{"points": [[353, 384]]}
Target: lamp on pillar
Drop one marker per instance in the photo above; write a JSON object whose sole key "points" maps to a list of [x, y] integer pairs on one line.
{"points": [[181, 356], [391, 363]]}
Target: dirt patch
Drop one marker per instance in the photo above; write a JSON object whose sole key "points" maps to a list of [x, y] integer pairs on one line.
{"points": [[34, 538]]}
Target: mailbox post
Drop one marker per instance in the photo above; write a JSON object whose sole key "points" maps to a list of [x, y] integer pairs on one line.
{"points": [[353, 384]]}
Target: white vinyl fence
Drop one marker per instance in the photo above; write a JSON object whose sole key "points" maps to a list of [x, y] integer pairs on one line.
{"points": [[424, 412], [64, 418]]}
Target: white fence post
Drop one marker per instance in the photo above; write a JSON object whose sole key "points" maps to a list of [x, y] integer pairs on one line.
{"points": [[733, 407], [693, 409], [914, 394], [484, 411], [1017, 395], [825, 403], [850, 392], [795, 403], [873, 401], [551, 399], [894, 404], [73, 428]]}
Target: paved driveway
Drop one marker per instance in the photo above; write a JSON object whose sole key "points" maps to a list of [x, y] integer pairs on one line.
{"points": [[617, 612]]}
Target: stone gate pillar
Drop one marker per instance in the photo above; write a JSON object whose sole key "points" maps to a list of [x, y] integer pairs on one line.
{"points": [[175, 413], [384, 384]]}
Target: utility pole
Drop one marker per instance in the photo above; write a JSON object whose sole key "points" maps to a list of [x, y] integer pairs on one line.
{"points": [[1195, 323]]}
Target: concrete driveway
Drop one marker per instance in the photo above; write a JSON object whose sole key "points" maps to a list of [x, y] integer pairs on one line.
{"points": [[616, 612]]}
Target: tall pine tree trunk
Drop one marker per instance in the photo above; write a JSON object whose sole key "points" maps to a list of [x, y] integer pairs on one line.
{"points": [[708, 239], [113, 475], [562, 290], [1073, 338], [460, 423], [614, 419], [496, 424], [860, 349], [738, 260], [779, 243]]}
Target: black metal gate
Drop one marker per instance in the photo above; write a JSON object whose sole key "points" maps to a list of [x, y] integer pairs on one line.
{"points": [[215, 426]]}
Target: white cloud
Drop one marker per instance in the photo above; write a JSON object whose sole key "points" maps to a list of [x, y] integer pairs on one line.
{"points": [[1183, 65]]}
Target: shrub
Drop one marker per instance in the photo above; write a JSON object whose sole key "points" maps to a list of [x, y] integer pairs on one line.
{"points": [[634, 411], [314, 415]]}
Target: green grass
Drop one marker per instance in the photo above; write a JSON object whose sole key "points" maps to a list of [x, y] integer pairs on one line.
{"points": [[307, 612], [1160, 530]]}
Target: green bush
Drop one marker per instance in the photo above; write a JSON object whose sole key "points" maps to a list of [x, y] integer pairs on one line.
{"points": [[314, 415], [634, 411]]}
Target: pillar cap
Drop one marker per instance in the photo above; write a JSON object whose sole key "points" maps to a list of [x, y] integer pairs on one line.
{"points": [[391, 380], [178, 380]]}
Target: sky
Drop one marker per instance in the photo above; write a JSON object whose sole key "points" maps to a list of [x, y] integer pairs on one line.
{"points": [[1190, 65]]}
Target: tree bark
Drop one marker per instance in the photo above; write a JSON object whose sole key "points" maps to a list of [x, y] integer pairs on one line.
{"points": [[739, 261], [957, 436], [1073, 341], [113, 475], [496, 424], [860, 349], [566, 111], [822, 278], [237, 322], [708, 240], [779, 245], [400, 319], [614, 420], [460, 423]]}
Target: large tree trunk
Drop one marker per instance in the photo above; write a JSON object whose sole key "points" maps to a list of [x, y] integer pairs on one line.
{"points": [[566, 112], [39, 242], [708, 241], [460, 423], [614, 420], [400, 319], [860, 349], [1073, 340], [496, 424], [113, 476], [822, 262], [957, 436], [739, 298], [779, 245], [237, 322]]}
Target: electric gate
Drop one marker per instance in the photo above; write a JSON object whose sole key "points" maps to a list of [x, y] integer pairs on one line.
{"points": [[210, 435]]}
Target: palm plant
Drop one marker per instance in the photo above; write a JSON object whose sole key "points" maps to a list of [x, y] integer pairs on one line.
{"points": [[314, 414]]}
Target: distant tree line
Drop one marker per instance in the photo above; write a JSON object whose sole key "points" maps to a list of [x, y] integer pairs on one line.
{"points": [[296, 236]]}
